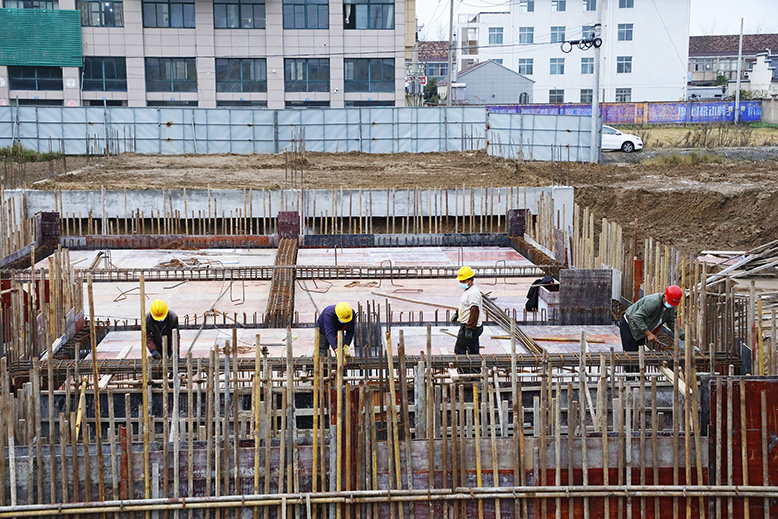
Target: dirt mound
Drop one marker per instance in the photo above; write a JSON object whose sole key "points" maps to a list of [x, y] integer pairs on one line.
{"points": [[691, 204]]}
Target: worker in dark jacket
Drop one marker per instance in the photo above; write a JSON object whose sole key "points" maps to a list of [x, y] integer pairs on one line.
{"points": [[643, 318], [333, 319], [160, 322]]}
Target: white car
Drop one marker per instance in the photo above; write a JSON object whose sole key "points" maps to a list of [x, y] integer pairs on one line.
{"points": [[612, 139]]}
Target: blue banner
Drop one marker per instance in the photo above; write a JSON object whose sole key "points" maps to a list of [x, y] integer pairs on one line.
{"points": [[647, 113]]}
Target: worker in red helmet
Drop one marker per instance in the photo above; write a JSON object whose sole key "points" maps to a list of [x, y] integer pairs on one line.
{"points": [[643, 318]]}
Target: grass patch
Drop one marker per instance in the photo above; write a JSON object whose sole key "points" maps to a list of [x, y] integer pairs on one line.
{"points": [[772, 126], [16, 153], [684, 160]]}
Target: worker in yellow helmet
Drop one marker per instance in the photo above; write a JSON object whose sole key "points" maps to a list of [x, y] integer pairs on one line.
{"points": [[470, 314], [160, 322], [333, 319]]}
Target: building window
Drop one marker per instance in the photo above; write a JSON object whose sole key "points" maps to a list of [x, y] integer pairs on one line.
{"points": [[495, 35], [704, 64], [624, 65], [241, 75], [586, 95], [588, 32], [625, 4], [625, 32], [589, 5], [556, 96], [31, 4], [437, 69], [557, 66], [623, 95], [172, 13], [558, 34], [525, 66], [558, 5], [369, 75], [587, 65], [171, 75], [498, 61], [527, 6], [368, 14], [35, 78], [524, 98], [104, 74], [239, 14], [307, 75], [306, 14], [101, 14], [526, 35]]}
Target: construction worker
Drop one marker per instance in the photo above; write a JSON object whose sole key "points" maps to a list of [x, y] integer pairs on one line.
{"points": [[643, 318], [160, 322], [469, 315], [335, 318]]}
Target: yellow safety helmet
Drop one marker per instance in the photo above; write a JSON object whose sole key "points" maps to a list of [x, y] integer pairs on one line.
{"points": [[159, 310], [465, 273], [344, 312]]}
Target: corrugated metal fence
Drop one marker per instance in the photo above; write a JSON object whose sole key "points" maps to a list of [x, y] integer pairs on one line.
{"points": [[369, 130]]}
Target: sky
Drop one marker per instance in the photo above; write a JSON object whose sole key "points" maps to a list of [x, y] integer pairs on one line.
{"points": [[708, 17]]}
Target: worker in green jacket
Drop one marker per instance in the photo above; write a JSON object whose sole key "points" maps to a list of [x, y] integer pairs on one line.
{"points": [[643, 318]]}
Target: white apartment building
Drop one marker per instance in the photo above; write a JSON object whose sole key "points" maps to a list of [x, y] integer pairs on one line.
{"points": [[481, 37], [208, 53], [644, 55]]}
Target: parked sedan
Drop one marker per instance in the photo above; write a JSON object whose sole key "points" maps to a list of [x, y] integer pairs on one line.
{"points": [[612, 139]]}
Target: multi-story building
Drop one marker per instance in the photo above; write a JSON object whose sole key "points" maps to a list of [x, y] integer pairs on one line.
{"points": [[206, 53], [433, 59], [713, 59], [643, 55], [483, 37]]}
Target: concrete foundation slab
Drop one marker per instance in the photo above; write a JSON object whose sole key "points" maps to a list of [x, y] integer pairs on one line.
{"points": [[311, 297], [415, 256], [121, 300], [609, 335], [143, 258], [127, 344]]}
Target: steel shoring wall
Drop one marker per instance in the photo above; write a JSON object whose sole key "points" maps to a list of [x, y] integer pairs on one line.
{"points": [[508, 441], [334, 130]]}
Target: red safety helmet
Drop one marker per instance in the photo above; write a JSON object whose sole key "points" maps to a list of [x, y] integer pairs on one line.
{"points": [[673, 295]]}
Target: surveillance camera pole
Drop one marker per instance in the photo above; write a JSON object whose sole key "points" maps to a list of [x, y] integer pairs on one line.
{"points": [[594, 151], [739, 65], [450, 52]]}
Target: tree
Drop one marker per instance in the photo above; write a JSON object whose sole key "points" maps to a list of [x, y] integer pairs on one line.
{"points": [[431, 92], [721, 80]]}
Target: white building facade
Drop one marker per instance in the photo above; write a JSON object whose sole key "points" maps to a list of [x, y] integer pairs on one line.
{"points": [[644, 54]]}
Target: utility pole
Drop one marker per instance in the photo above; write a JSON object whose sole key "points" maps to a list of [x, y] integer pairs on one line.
{"points": [[594, 151], [739, 65], [450, 52]]}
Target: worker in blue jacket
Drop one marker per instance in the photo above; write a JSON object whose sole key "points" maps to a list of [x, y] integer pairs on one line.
{"points": [[333, 319]]}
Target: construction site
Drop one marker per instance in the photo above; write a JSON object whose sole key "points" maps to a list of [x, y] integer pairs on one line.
{"points": [[552, 419]]}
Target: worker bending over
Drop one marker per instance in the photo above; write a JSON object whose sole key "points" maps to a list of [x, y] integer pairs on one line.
{"points": [[644, 317], [333, 319], [160, 322], [469, 315]]}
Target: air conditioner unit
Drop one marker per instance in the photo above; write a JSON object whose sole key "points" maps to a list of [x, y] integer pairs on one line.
{"points": [[746, 74]]}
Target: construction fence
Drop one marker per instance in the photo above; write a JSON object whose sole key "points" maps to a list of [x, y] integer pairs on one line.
{"points": [[682, 112], [88, 130]]}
